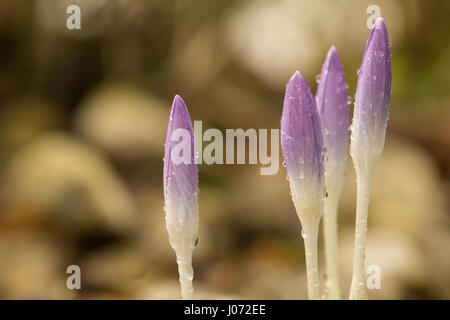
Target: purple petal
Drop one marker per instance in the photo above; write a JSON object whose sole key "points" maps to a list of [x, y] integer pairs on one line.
{"points": [[180, 179], [301, 140], [331, 100], [373, 96]]}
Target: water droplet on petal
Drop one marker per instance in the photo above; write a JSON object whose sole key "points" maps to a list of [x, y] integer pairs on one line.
{"points": [[304, 234], [318, 78]]}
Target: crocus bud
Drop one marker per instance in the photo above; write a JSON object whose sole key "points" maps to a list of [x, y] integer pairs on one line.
{"points": [[181, 191], [302, 147], [372, 101], [331, 100]]}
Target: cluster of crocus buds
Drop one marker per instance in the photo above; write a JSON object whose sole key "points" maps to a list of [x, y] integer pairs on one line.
{"points": [[312, 128], [314, 143]]}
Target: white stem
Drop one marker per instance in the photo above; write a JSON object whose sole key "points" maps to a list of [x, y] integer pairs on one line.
{"points": [[186, 273], [331, 246], [310, 237], [358, 286]]}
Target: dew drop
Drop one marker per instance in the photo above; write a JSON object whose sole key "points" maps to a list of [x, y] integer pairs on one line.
{"points": [[301, 174], [318, 78], [352, 127], [304, 234], [349, 100]]}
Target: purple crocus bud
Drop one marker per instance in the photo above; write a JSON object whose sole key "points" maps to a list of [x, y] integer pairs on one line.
{"points": [[331, 100], [302, 147], [181, 191], [372, 100], [372, 103]]}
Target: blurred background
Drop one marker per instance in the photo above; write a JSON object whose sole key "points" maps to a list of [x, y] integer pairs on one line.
{"points": [[83, 118]]}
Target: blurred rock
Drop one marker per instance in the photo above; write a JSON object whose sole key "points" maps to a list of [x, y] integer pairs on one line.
{"points": [[196, 60], [122, 269], [274, 39], [270, 268], [438, 261], [125, 121], [407, 194], [265, 200], [170, 290], [151, 234], [32, 266], [400, 260], [265, 281], [67, 182], [407, 219]]}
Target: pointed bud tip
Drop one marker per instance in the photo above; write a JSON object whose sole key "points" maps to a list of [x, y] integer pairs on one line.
{"points": [[296, 76], [332, 50], [178, 99], [378, 38], [380, 24], [296, 80], [332, 55], [178, 105]]}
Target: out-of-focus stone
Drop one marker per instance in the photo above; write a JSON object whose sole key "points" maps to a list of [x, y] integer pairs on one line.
{"points": [[265, 281], [401, 262], [125, 121], [151, 233], [197, 59], [407, 203], [406, 193], [264, 200], [68, 182], [121, 269], [273, 39], [437, 253], [32, 266], [267, 268], [170, 290]]}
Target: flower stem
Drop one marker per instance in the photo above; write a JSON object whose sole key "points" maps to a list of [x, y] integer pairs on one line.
{"points": [[310, 237], [331, 247], [358, 286], [186, 273]]}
